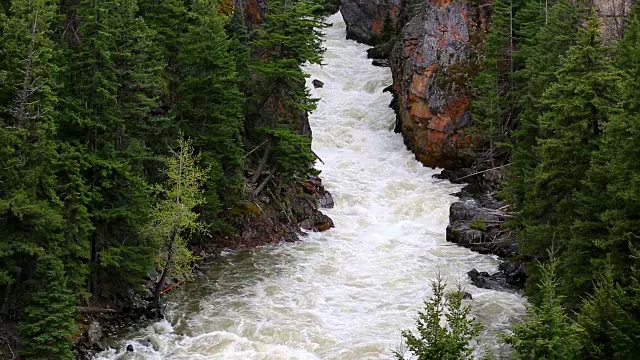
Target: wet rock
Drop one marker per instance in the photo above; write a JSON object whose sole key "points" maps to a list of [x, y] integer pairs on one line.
{"points": [[317, 83], [326, 200], [515, 273], [380, 63], [382, 51], [130, 348], [365, 18], [483, 280], [467, 296], [94, 333], [479, 229]]}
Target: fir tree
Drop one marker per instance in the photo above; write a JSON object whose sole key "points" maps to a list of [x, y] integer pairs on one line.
{"points": [[211, 104], [49, 325], [547, 333], [579, 103], [442, 342]]}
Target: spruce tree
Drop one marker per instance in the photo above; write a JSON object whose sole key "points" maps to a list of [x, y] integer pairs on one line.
{"points": [[493, 106], [609, 326], [289, 37], [31, 220], [547, 332], [579, 103], [210, 104], [608, 208], [48, 326], [110, 93], [436, 341], [544, 36]]}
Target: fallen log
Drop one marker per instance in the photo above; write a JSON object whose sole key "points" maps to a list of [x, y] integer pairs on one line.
{"points": [[172, 287], [94, 310]]}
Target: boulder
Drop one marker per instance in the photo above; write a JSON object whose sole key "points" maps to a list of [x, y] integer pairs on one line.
{"points": [[317, 83], [479, 228], [381, 51], [380, 62]]}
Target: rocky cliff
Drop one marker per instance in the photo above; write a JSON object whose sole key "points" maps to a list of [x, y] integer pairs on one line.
{"points": [[429, 66], [429, 62], [365, 18]]}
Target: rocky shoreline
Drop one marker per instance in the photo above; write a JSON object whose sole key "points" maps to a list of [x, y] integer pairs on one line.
{"points": [[276, 219], [477, 222]]}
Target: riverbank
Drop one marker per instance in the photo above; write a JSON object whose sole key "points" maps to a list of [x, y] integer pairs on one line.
{"points": [[268, 219]]}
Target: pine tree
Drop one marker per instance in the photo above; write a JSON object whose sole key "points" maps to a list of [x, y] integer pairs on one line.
{"points": [[30, 210], [547, 333], [173, 218], [579, 103], [442, 342], [210, 104], [49, 325], [289, 37], [544, 36]]}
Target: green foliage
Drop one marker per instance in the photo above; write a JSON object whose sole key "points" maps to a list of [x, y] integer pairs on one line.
{"points": [[210, 103], [388, 28], [174, 218], [579, 103], [291, 152], [479, 224], [610, 328], [437, 341], [547, 333], [542, 45], [49, 318]]}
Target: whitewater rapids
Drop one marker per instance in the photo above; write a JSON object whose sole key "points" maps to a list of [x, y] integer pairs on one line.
{"points": [[345, 293]]}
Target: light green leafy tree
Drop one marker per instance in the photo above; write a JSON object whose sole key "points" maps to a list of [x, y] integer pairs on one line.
{"points": [[174, 219]]}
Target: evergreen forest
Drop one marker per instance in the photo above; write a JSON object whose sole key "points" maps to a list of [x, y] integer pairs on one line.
{"points": [[133, 133]]}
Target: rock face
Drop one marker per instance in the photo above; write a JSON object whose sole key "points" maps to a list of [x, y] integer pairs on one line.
{"points": [[431, 104], [365, 18], [478, 228]]}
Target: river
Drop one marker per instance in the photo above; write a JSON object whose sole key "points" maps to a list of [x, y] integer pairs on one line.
{"points": [[345, 293]]}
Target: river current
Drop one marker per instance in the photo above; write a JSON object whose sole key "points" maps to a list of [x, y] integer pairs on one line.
{"points": [[345, 293]]}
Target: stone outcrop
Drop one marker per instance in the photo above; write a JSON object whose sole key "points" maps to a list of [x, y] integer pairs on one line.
{"points": [[365, 18], [432, 105], [430, 70]]}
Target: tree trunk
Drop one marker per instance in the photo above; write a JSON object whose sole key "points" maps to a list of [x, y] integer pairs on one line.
{"points": [[165, 271]]}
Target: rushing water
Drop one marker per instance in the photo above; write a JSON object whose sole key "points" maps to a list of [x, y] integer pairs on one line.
{"points": [[345, 293]]}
